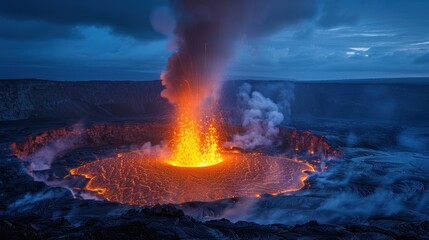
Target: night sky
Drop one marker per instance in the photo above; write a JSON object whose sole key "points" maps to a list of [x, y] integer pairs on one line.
{"points": [[130, 40]]}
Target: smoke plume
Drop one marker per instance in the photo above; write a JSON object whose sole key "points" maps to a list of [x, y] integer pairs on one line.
{"points": [[260, 119], [206, 34], [43, 158]]}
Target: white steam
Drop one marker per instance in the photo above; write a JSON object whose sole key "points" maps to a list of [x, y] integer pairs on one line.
{"points": [[367, 185], [161, 150], [43, 158], [260, 119]]}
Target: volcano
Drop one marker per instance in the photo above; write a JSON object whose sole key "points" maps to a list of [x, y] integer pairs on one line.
{"points": [[105, 177]]}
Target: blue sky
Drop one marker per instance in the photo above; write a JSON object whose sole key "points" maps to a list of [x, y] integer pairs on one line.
{"points": [[111, 40]]}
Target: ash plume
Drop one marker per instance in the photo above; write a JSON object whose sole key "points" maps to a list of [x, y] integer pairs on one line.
{"points": [[206, 34]]}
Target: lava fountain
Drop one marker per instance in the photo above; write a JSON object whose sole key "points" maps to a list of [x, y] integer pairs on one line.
{"points": [[195, 143], [195, 168]]}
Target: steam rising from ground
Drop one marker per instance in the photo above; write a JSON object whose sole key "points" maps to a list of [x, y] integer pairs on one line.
{"points": [[367, 186], [260, 119], [160, 150], [44, 157]]}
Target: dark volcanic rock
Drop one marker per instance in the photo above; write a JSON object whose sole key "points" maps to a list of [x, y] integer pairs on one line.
{"points": [[381, 99], [25, 99], [166, 210], [378, 189], [139, 225]]}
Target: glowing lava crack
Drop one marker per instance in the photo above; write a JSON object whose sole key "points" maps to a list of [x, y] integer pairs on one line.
{"points": [[135, 178]]}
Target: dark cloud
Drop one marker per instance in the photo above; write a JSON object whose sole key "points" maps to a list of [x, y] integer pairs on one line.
{"points": [[424, 59], [65, 39], [131, 17], [34, 30], [273, 15], [335, 13]]}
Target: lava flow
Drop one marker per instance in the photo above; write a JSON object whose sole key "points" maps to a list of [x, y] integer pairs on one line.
{"points": [[136, 178]]}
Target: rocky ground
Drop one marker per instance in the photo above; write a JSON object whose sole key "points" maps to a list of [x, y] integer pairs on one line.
{"points": [[377, 187], [371, 192]]}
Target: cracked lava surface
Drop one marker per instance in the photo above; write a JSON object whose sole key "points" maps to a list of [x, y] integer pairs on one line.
{"points": [[136, 178]]}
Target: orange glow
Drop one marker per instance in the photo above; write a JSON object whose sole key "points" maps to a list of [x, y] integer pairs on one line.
{"points": [[195, 169], [141, 179], [196, 143]]}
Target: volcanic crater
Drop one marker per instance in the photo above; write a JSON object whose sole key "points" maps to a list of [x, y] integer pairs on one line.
{"points": [[106, 161]]}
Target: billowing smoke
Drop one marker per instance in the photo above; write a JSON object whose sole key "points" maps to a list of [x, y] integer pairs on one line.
{"points": [[160, 150], [366, 186], [206, 34], [43, 158], [260, 119]]}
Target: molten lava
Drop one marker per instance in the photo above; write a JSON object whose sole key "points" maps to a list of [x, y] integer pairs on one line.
{"points": [[141, 179], [146, 178], [196, 143]]}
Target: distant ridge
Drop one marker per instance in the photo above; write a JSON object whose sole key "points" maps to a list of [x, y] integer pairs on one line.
{"points": [[404, 80], [71, 81]]}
